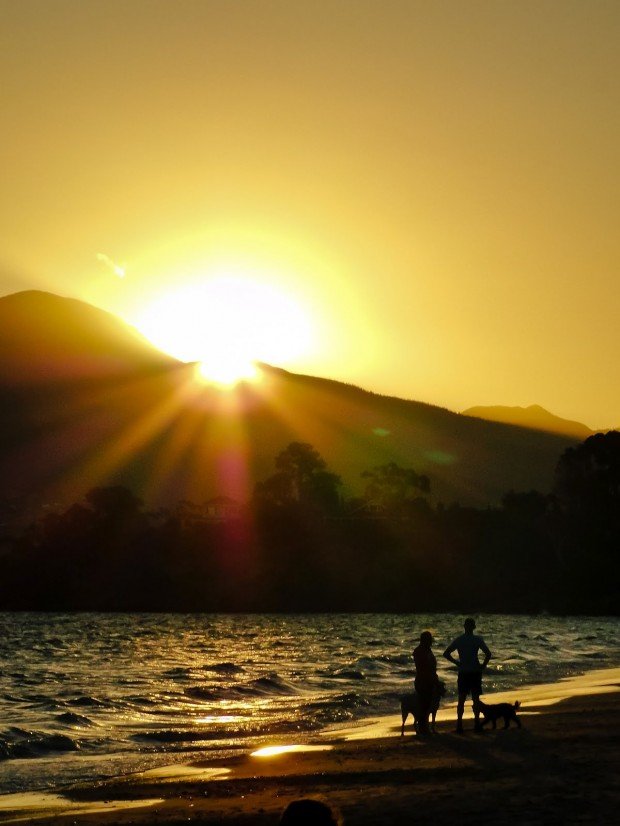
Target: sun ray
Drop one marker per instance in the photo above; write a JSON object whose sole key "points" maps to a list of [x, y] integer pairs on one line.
{"points": [[118, 444], [180, 449]]}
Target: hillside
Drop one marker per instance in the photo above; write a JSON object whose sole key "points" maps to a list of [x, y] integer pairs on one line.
{"points": [[85, 401], [46, 338], [534, 416]]}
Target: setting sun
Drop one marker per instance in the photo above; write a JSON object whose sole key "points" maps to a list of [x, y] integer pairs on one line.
{"points": [[227, 323]]}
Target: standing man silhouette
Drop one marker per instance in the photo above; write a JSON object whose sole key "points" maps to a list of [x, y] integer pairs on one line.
{"points": [[470, 670]]}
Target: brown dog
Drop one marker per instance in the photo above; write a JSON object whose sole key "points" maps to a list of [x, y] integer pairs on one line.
{"points": [[492, 713], [410, 704]]}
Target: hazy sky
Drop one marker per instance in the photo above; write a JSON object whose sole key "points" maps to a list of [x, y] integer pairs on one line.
{"points": [[435, 183]]}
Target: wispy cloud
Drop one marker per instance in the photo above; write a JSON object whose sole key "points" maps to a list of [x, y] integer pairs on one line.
{"points": [[117, 269]]}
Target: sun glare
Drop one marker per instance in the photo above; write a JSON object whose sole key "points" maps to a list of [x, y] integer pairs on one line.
{"points": [[227, 323], [227, 371]]}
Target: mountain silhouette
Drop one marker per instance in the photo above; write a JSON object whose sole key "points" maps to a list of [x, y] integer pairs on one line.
{"points": [[534, 416], [46, 338], [85, 401]]}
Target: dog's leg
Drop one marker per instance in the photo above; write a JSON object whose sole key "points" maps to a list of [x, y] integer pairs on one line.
{"points": [[404, 715]]}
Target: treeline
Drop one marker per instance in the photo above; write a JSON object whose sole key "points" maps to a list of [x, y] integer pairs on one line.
{"points": [[298, 545]]}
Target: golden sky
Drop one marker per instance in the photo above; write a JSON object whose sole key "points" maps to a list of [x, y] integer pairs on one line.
{"points": [[435, 184]]}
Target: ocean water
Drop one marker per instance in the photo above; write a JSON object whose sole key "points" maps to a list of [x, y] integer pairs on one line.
{"points": [[86, 696]]}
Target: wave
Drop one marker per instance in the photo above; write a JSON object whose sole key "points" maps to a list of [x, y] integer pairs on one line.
{"points": [[184, 673], [179, 673], [349, 700], [198, 692], [272, 685], [176, 736], [396, 659], [85, 700], [251, 676], [37, 698], [250, 729], [71, 719], [21, 744], [370, 664], [223, 668], [334, 709], [141, 700], [344, 674], [49, 705]]}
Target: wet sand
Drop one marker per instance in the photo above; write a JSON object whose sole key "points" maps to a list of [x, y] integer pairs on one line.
{"points": [[561, 767]]}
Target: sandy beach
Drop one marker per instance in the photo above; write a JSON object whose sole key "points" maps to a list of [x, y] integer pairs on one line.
{"points": [[560, 767]]}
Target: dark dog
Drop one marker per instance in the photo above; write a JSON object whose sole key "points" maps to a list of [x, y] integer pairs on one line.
{"points": [[492, 713], [410, 704]]}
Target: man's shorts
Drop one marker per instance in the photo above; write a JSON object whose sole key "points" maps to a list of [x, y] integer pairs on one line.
{"points": [[470, 682]]}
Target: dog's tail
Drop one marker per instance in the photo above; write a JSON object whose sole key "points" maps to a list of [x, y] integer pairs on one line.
{"points": [[517, 705]]}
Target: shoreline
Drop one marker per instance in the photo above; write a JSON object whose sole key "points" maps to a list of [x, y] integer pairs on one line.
{"points": [[530, 696], [559, 768]]}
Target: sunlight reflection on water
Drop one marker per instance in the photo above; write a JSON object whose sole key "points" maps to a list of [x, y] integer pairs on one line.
{"points": [[274, 751], [85, 696]]}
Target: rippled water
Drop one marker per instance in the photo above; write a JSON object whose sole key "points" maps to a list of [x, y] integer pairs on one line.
{"points": [[90, 695]]}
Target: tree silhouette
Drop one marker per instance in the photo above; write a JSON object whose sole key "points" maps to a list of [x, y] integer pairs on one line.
{"points": [[393, 489], [301, 478], [587, 480], [558, 552], [586, 521], [114, 504]]}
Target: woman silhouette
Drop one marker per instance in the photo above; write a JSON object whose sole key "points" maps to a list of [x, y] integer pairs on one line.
{"points": [[425, 677]]}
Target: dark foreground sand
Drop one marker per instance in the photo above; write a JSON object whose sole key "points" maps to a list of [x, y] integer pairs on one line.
{"points": [[562, 767]]}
